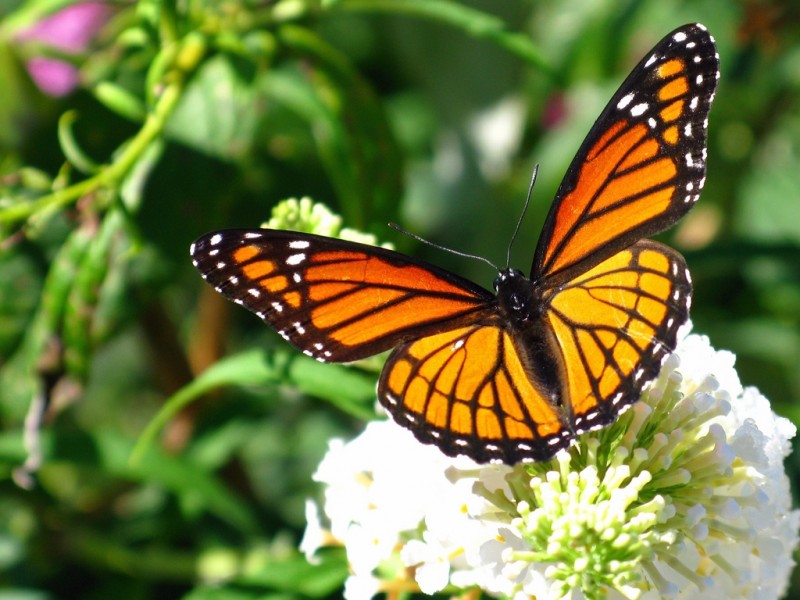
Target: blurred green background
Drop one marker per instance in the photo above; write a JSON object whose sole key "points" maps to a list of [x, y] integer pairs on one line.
{"points": [[173, 119]]}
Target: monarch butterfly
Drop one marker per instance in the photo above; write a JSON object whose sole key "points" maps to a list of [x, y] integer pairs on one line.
{"points": [[514, 375]]}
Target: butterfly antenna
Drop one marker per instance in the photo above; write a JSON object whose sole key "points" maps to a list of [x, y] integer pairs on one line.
{"points": [[522, 215], [397, 227]]}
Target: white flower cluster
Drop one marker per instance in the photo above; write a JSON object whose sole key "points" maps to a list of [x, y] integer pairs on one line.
{"points": [[684, 496]]}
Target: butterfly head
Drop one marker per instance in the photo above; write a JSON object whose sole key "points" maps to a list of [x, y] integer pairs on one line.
{"points": [[516, 294]]}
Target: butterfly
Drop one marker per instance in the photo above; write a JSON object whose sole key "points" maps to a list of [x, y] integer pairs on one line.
{"points": [[517, 374]]}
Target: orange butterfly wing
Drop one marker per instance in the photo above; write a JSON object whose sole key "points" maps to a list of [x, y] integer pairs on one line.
{"points": [[469, 391], [614, 303], [335, 300], [642, 166], [614, 325]]}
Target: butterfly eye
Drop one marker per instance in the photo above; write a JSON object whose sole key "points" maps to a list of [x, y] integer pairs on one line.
{"points": [[505, 275]]}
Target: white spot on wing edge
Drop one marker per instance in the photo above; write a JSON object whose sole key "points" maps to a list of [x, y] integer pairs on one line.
{"points": [[215, 239], [625, 101], [295, 259], [639, 109], [250, 235], [299, 244]]}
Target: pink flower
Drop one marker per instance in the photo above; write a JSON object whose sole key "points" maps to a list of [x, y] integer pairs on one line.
{"points": [[70, 30], [555, 111]]}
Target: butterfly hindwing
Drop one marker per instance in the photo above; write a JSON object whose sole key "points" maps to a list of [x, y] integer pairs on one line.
{"points": [[334, 300], [468, 391], [614, 325], [643, 164]]}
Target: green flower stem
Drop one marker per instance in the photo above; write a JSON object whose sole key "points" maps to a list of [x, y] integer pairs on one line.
{"points": [[112, 175]]}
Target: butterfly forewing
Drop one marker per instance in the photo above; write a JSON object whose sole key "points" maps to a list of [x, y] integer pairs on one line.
{"points": [[643, 164], [335, 300], [615, 324]]}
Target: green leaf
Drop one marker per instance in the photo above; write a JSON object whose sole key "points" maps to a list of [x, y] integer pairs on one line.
{"points": [[218, 112], [19, 377], [768, 200], [472, 21], [20, 287], [120, 100], [23, 594], [298, 575], [17, 106], [276, 578], [111, 455], [363, 158], [72, 149], [342, 386]]}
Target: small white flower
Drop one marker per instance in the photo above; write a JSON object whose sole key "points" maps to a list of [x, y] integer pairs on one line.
{"points": [[315, 536], [361, 587], [431, 561]]}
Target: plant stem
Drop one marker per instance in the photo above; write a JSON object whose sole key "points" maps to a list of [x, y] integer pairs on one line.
{"points": [[113, 174]]}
